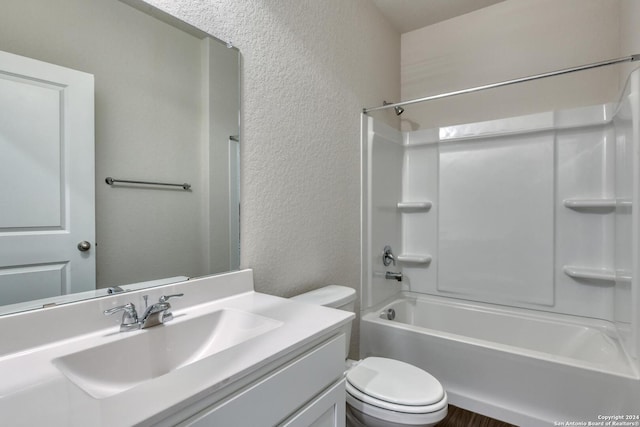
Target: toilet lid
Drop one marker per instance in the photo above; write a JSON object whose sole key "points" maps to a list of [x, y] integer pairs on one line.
{"points": [[395, 382]]}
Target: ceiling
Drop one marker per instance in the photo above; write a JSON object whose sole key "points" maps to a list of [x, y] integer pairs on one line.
{"points": [[409, 15]]}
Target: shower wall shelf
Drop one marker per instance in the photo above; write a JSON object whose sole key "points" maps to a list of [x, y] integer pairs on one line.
{"points": [[602, 274], [603, 203], [414, 259], [415, 206]]}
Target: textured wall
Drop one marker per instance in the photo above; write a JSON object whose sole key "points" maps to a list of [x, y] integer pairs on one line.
{"points": [[309, 68], [505, 41]]}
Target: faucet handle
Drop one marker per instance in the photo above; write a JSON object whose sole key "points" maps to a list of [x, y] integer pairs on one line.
{"points": [[129, 309], [168, 315], [387, 256], [129, 316], [165, 298]]}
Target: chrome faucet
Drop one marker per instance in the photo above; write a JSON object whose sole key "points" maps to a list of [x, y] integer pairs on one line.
{"points": [[387, 259], [168, 315], [387, 256], [390, 275], [155, 314], [129, 316]]}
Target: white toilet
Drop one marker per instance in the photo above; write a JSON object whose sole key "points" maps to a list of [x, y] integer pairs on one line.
{"points": [[383, 392]]}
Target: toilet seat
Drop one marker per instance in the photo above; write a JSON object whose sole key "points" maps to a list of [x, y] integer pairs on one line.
{"points": [[392, 391], [361, 401]]}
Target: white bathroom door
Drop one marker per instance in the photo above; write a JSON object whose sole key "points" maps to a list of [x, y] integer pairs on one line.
{"points": [[46, 180]]}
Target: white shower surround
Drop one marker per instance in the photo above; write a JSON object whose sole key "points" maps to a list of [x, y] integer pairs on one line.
{"points": [[581, 171], [500, 191]]}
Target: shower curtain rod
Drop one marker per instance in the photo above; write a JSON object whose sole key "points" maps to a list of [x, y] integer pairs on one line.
{"points": [[630, 58]]}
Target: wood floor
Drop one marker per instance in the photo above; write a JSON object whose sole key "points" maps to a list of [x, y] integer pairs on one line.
{"points": [[458, 417]]}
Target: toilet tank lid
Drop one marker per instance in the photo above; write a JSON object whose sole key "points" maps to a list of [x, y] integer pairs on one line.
{"points": [[328, 296]]}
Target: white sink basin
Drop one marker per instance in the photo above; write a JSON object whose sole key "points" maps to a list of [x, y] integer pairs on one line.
{"points": [[108, 369]]}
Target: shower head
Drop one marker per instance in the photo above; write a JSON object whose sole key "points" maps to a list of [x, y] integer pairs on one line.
{"points": [[399, 110]]}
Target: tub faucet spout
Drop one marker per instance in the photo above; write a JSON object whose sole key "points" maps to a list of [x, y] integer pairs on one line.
{"points": [[389, 275]]}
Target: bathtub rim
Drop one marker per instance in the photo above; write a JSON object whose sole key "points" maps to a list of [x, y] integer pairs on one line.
{"points": [[631, 369]]}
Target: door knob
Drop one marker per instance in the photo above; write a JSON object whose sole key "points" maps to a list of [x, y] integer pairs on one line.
{"points": [[84, 246]]}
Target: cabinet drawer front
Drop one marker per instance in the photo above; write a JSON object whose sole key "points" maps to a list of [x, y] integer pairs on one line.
{"points": [[281, 393]]}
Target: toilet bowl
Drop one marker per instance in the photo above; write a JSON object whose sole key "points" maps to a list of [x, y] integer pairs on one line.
{"points": [[383, 392]]}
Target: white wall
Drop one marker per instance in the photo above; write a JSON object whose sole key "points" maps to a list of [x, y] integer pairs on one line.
{"points": [[512, 39], [309, 67]]}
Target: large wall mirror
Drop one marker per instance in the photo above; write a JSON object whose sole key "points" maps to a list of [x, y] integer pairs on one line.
{"points": [[97, 89]]}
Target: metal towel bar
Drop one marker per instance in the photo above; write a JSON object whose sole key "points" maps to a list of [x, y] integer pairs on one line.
{"points": [[112, 181]]}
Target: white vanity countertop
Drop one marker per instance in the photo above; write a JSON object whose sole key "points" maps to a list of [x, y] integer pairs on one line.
{"points": [[34, 392]]}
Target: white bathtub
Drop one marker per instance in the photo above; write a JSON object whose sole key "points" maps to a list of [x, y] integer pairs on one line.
{"points": [[524, 367]]}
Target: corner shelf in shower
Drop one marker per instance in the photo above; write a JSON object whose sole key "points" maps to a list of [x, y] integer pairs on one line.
{"points": [[414, 259], [595, 204], [601, 274], [415, 206]]}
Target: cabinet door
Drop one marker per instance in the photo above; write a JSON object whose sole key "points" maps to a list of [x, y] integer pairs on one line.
{"points": [[327, 410], [280, 394]]}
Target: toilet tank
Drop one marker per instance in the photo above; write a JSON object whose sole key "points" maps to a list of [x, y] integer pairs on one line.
{"points": [[334, 296]]}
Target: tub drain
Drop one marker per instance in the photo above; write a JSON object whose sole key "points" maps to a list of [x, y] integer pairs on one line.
{"points": [[391, 314]]}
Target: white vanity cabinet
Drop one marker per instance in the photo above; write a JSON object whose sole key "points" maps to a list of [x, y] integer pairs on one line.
{"points": [[326, 410], [231, 357], [306, 391]]}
